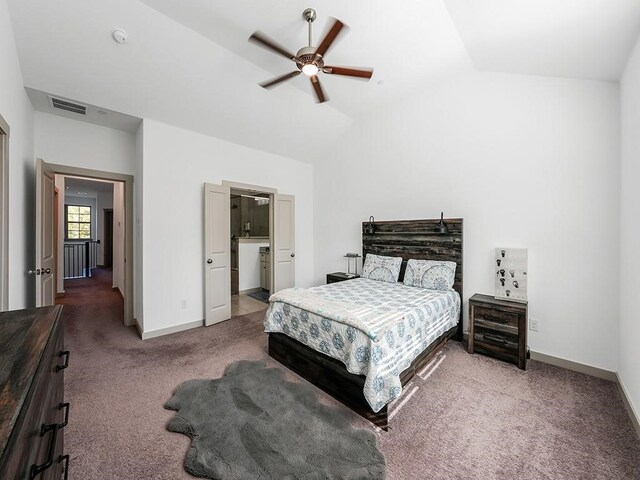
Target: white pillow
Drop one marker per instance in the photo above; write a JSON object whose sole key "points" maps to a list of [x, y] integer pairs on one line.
{"points": [[379, 267], [431, 274]]}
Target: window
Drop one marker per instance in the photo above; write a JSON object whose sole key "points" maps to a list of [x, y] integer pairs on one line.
{"points": [[78, 222]]}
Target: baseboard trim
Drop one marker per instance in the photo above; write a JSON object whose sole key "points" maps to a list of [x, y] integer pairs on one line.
{"points": [[168, 330], [594, 372], [249, 290], [633, 415], [575, 366], [138, 327], [117, 289], [568, 364]]}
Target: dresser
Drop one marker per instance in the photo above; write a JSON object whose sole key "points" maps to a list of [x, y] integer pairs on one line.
{"points": [[498, 328], [33, 413]]}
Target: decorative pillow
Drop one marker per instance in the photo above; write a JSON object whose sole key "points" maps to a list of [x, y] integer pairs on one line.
{"points": [[378, 267], [430, 274]]}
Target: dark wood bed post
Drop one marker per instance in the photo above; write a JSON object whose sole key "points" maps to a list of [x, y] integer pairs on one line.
{"points": [[404, 238]]}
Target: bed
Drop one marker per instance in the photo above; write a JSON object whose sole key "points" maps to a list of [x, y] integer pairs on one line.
{"points": [[362, 340]]}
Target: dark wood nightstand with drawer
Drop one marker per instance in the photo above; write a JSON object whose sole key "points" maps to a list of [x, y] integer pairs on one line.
{"points": [[498, 328], [340, 277]]}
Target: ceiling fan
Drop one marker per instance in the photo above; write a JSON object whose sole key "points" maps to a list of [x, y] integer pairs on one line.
{"points": [[310, 60]]}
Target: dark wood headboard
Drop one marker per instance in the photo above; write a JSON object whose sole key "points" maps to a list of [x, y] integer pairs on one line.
{"points": [[418, 239]]}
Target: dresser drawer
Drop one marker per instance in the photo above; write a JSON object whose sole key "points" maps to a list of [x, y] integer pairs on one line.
{"points": [[507, 342], [498, 319], [495, 351]]}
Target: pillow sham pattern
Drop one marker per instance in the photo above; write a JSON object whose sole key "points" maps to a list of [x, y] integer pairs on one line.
{"points": [[379, 267], [430, 274]]}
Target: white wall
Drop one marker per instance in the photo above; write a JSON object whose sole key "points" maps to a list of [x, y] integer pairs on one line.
{"points": [[17, 111], [177, 160], [629, 353], [527, 162], [74, 143], [249, 263], [62, 141]]}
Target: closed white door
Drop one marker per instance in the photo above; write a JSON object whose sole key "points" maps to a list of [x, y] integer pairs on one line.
{"points": [[283, 242], [217, 253], [45, 252]]}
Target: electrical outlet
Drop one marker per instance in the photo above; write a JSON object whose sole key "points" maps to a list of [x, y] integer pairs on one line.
{"points": [[533, 324], [183, 303]]}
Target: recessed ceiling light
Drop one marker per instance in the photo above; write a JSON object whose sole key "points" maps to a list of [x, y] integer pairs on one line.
{"points": [[119, 36]]}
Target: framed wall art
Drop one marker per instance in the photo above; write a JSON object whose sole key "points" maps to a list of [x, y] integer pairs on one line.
{"points": [[511, 274]]}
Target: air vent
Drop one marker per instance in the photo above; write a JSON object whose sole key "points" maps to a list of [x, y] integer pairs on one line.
{"points": [[68, 106]]}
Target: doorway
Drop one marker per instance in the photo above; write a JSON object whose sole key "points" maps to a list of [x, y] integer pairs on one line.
{"points": [[250, 244], [79, 225], [218, 246]]}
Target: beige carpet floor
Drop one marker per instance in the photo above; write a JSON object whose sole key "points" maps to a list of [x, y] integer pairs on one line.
{"points": [[471, 417]]}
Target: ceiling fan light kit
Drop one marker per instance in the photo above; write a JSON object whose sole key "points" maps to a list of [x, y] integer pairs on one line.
{"points": [[310, 60]]}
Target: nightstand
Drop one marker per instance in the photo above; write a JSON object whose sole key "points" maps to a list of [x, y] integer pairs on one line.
{"points": [[498, 328], [340, 277]]}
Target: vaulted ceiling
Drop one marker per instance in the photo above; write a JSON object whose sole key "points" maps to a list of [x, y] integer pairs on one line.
{"points": [[189, 63]]}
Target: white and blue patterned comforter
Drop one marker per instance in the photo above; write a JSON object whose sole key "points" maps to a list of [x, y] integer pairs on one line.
{"points": [[412, 319]]}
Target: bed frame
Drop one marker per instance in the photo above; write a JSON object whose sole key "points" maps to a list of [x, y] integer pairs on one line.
{"points": [[400, 238]]}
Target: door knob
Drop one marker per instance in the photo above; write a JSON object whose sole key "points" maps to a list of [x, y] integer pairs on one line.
{"points": [[209, 261], [47, 271], [293, 255]]}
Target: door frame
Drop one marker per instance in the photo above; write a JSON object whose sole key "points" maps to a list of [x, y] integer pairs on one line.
{"points": [[106, 211], [271, 192], [4, 214], [128, 230]]}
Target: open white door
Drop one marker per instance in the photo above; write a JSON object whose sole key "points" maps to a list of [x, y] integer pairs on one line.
{"points": [[45, 251], [284, 242], [217, 247]]}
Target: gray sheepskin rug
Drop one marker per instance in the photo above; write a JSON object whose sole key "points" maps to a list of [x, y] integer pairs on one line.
{"points": [[253, 424]]}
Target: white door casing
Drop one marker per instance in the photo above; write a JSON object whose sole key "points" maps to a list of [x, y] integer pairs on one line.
{"points": [[45, 251], [283, 247], [217, 254]]}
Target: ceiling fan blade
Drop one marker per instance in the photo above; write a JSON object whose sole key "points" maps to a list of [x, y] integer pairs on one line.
{"points": [[351, 72], [330, 37], [317, 88], [264, 41], [280, 79]]}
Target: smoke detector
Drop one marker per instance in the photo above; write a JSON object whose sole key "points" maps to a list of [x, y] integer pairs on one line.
{"points": [[120, 36]]}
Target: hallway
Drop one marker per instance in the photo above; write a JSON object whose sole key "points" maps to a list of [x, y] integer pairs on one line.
{"points": [[92, 298]]}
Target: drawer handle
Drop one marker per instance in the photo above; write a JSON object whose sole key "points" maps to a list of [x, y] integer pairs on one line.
{"points": [[64, 405], [65, 459], [53, 428], [494, 339], [64, 353]]}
